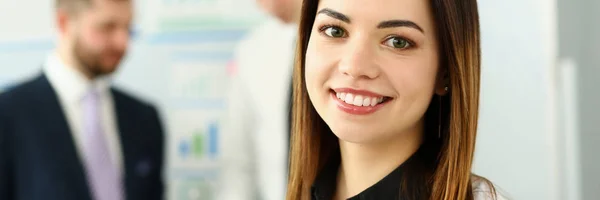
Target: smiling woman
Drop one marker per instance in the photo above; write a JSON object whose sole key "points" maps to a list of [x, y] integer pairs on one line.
{"points": [[386, 101]]}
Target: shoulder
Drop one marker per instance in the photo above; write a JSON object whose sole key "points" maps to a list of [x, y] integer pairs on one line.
{"points": [[483, 189], [131, 103], [20, 94]]}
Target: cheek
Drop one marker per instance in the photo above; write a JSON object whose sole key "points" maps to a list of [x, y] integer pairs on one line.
{"points": [[410, 81], [414, 83], [92, 39], [312, 74], [320, 69], [316, 67], [412, 76], [98, 40]]}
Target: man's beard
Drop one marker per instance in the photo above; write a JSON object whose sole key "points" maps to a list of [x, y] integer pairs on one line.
{"points": [[91, 62]]}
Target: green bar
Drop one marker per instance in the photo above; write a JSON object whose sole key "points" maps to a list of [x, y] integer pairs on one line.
{"points": [[198, 144]]}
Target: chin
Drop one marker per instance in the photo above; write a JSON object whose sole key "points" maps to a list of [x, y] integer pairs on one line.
{"points": [[357, 133], [108, 69]]}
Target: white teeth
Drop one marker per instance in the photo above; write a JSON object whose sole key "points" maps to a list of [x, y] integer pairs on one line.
{"points": [[366, 101], [349, 99], [374, 101], [342, 96], [359, 100]]}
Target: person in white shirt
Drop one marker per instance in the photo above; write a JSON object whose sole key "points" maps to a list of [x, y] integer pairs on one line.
{"points": [[256, 134], [67, 134]]}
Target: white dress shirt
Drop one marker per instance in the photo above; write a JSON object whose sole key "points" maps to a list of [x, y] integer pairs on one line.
{"points": [[71, 86], [254, 139]]}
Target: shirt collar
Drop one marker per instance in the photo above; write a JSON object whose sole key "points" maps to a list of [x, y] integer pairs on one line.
{"points": [[71, 84]]}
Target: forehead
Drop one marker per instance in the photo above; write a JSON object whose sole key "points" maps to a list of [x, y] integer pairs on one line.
{"points": [[121, 9], [375, 11]]}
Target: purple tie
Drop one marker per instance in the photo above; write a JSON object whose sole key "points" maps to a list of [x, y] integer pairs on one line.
{"points": [[103, 178]]}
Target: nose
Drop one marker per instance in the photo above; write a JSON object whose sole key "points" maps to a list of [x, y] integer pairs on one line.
{"points": [[358, 60], [121, 39]]}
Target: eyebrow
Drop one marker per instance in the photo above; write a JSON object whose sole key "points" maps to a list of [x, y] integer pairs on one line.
{"points": [[382, 25], [399, 23], [334, 14]]}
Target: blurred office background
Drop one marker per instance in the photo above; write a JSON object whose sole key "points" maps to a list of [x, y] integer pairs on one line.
{"points": [[539, 92]]}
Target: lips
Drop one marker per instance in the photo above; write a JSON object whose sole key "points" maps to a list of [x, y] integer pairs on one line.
{"points": [[358, 102]]}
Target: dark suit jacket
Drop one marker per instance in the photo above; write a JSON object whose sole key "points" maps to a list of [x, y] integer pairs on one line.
{"points": [[39, 160]]}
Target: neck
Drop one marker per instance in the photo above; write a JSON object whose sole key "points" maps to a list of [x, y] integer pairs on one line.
{"points": [[363, 165]]}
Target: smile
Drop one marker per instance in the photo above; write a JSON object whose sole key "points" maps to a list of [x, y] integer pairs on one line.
{"points": [[358, 102]]}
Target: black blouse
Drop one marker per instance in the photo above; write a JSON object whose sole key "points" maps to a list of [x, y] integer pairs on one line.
{"points": [[387, 188]]}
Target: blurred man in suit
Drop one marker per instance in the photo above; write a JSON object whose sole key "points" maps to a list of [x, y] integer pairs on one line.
{"points": [[67, 134], [256, 138]]}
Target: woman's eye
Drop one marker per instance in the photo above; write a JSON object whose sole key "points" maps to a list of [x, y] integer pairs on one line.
{"points": [[398, 43], [335, 32]]}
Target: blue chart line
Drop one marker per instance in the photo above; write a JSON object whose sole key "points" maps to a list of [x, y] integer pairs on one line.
{"points": [[193, 174], [194, 56], [207, 104], [180, 38], [26, 45], [186, 37]]}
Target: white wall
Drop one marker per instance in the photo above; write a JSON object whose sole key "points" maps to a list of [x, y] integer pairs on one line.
{"points": [[516, 146], [579, 41]]}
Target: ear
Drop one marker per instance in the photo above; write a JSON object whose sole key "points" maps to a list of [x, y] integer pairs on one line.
{"points": [[442, 86], [63, 21]]}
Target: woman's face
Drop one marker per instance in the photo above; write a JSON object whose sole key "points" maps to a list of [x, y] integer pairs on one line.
{"points": [[371, 67]]}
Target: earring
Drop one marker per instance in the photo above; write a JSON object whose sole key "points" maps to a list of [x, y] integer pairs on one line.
{"points": [[446, 88]]}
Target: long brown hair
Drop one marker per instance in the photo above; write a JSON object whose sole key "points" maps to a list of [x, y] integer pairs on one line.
{"points": [[450, 121]]}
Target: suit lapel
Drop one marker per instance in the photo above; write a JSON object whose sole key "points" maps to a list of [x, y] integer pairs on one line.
{"points": [[126, 128], [58, 143]]}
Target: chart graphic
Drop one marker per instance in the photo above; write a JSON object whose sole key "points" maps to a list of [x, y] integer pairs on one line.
{"points": [[193, 81], [201, 144], [195, 139]]}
